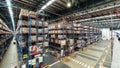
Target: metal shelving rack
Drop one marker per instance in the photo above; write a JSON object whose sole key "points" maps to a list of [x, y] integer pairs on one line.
{"points": [[19, 42], [5, 36], [31, 43], [59, 38], [71, 37], [90, 35], [53, 37], [75, 36], [79, 35], [85, 36]]}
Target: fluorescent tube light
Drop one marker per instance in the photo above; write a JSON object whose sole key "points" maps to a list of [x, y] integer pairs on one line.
{"points": [[11, 12], [48, 4]]}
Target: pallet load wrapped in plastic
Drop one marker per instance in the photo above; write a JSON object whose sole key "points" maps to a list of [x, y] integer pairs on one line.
{"points": [[0, 25], [33, 30], [63, 42], [33, 22], [40, 23], [46, 43], [71, 41], [40, 38], [45, 30], [33, 38], [32, 14], [24, 12], [46, 23], [24, 30], [24, 22]]}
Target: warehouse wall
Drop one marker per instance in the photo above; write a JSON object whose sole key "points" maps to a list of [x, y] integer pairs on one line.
{"points": [[116, 31], [106, 33]]}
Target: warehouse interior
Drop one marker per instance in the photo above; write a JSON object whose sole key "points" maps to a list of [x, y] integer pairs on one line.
{"points": [[59, 34]]}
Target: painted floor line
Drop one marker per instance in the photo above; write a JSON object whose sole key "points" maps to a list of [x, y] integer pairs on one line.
{"points": [[85, 65], [88, 66], [81, 63], [85, 55], [54, 63]]}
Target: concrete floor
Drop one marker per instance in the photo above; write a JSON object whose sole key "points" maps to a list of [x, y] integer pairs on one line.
{"points": [[54, 62], [91, 57], [10, 59], [116, 54]]}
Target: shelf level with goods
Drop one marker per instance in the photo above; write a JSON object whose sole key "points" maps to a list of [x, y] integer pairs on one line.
{"points": [[98, 34], [4, 44], [94, 34], [78, 36], [69, 48], [91, 35], [70, 37], [4, 28], [33, 32], [85, 35]]}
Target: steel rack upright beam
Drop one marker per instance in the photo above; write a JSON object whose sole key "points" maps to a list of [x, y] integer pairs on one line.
{"points": [[48, 36], [29, 40], [80, 37], [72, 31], [88, 35], [83, 44], [62, 48], [20, 42], [43, 42], [37, 27], [92, 35]]}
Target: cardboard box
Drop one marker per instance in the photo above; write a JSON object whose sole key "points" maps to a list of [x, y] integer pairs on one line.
{"points": [[59, 41], [24, 12], [40, 23], [0, 26], [23, 22], [46, 43], [59, 26], [59, 31], [33, 22], [75, 24], [56, 41], [33, 61], [40, 38], [39, 30], [46, 23], [63, 42], [78, 41], [32, 14], [33, 30], [71, 41], [33, 37], [51, 40], [25, 30]]}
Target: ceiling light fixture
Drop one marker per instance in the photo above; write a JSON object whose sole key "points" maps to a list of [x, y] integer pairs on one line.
{"points": [[11, 12], [48, 4], [69, 4]]}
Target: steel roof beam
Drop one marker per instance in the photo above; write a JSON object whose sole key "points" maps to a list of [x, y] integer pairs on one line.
{"points": [[58, 5], [55, 7], [58, 1]]}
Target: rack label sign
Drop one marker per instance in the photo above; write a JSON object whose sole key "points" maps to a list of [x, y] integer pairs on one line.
{"points": [[25, 56]]}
